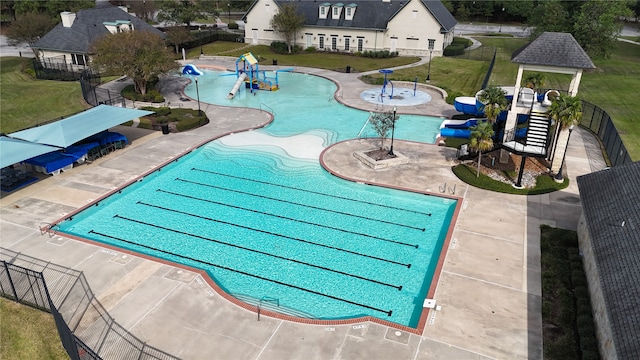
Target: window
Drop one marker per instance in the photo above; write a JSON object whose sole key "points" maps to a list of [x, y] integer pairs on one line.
{"points": [[360, 44], [321, 42], [323, 11], [346, 43], [349, 12], [334, 43], [78, 59], [432, 44], [414, 14], [335, 12]]}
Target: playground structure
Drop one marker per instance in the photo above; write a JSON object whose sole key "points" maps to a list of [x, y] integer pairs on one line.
{"points": [[191, 69], [249, 73], [384, 84]]}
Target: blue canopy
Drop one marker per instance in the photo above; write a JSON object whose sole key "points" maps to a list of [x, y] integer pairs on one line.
{"points": [[14, 151], [66, 132]]}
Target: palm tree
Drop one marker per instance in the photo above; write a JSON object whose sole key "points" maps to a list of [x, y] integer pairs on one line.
{"points": [[535, 81], [566, 111], [481, 139], [494, 101]]}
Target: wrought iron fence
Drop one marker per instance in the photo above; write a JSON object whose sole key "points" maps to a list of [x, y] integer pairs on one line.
{"points": [[598, 121], [56, 68], [94, 95], [86, 329]]}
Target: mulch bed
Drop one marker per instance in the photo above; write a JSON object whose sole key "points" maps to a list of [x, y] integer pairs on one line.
{"points": [[508, 172]]}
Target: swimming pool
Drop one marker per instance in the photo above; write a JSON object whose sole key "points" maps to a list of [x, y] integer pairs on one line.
{"points": [[267, 224], [306, 102]]}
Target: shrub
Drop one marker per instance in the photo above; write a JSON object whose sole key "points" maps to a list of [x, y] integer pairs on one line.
{"points": [[379, 54], [233, 26], [279, 47], [452, 95], [151, 95], [581, 292], [462, 41], [584, 321], [453, 50], [310, 49]]}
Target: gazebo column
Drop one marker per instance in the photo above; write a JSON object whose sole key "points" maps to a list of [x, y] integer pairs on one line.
{"points": [[512, 116]]}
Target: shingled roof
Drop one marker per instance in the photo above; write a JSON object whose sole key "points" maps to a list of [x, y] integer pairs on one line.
{"points": [[369, 14], [87, 27], [610, 201], [553, 49]]}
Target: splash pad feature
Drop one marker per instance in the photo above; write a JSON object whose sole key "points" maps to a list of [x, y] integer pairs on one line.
{"points": [[401, 97]]}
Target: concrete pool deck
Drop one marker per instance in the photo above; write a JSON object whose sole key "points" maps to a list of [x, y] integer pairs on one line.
{"points": [[489, 287]]}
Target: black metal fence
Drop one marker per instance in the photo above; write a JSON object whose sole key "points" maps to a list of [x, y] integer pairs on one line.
{"points": [[86, 329], [56, 68], [599, 122], [92, 94]]}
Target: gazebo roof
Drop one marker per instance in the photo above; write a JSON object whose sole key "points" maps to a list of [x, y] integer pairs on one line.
{"points": [[553, 49]]}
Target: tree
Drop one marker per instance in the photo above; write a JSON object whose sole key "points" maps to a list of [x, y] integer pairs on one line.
{"points": [[566, 110], [481, 140], [382, 123], [142, 9], [535, 80], [287, 22], [178, 35], [140, 55], [594, 24], [598, 26], [52, 8], [494, 101], [29, 28], [185, 11]]}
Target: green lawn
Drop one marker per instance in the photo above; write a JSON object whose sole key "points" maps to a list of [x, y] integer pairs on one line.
{"points": [[27, 333], [25, 102], [316, 60]]}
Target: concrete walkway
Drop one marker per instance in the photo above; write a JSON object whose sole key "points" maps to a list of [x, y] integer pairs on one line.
{"points": [[489, 287]]}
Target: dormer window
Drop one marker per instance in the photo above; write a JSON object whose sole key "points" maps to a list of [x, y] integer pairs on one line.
{"points": [[349, 10], [337, 9], [324, 10], [118, 26]]}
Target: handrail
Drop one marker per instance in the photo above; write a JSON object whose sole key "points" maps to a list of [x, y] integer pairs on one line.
{"points": [[364, 126], [269, 107]]}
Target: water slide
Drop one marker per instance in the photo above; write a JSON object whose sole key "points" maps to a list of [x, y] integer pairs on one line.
{"points": [[457, 133], [461, 124], [236, 86], [191, 69]]}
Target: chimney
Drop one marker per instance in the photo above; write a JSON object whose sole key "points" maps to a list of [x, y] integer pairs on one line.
{"points": [[67, 18]]}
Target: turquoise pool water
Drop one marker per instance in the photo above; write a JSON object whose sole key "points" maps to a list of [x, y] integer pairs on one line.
{"points": [[267, 224], [306, 102]]}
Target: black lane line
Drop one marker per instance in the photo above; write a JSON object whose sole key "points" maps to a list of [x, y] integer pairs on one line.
{"points": [[268, 233], [388, 312], [300, 204], [399, 287], [287, 218], [311, 191]]}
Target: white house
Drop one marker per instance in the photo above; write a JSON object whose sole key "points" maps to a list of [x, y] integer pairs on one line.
{"points": [[410, 27]]}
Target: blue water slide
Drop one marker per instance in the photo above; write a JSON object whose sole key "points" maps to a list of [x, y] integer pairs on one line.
{"points": [[467, 124], [191, 69], [457, 133]]}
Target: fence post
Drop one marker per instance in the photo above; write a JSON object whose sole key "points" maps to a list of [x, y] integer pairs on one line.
{"points": [[13, 287]]}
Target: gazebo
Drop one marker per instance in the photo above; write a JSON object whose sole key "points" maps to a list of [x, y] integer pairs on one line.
{"points": [[551, 52]]}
